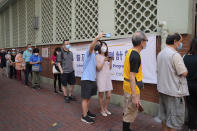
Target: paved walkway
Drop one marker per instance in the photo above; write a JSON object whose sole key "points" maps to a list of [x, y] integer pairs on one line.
{"points": [[26, 109]]}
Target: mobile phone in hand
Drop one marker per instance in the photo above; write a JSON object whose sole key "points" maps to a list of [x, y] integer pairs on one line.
{"points": [[108, 35], [110, 58]]}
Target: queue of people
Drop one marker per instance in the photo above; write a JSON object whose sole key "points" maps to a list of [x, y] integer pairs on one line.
{"points": [[177, 78], [14, 62]]}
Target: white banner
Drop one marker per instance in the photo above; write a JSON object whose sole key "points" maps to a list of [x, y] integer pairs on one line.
{"points": [[119, 48]]}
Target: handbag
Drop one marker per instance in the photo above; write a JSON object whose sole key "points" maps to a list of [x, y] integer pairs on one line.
{"points": [[140, 84], [57, 68], [36, 68], [54, 70]]}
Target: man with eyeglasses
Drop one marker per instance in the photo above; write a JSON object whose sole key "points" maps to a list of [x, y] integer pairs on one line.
{"points": [[132, 78]]}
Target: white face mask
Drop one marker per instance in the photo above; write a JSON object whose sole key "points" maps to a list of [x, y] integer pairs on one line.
{"points": [[36, 54], [103, 49]]}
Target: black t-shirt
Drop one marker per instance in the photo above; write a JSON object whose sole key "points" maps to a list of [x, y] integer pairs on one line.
{"points": [[13, 59], [191, 64], [135, 61]]}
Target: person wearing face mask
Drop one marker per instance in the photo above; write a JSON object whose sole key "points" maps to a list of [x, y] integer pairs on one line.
{"points": [[56, 73], [35, 61], [103, 78], [172, 84], [65, 65], [26, 56], [88, 80], [132, 74]]}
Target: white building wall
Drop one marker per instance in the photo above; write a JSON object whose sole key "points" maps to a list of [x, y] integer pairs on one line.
{"points": [[81, 20]]}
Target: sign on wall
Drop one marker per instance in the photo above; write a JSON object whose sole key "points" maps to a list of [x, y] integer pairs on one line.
{"points": [[118, 48]]}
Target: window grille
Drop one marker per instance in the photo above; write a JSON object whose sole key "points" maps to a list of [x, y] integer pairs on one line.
{"points": [[22, 22], [47, 21], [86, 19], [63, 19], [135, 15]]}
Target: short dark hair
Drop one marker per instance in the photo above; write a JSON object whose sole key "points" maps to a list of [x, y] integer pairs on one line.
{"points": [[138, 37], [56, 49], [35, 50], [65, 40], [172, 37], [28, 44], [193, 47]]}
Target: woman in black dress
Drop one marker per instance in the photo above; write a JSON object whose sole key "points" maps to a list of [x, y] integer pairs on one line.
{"points": [[191, 63]]}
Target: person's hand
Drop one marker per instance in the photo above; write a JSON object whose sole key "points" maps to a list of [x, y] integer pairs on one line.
{"points": [[61, 71], [135, 101], [100, 35], [111, 58]]}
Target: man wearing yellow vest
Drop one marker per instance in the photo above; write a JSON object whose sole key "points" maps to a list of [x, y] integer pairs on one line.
{"points": [[132, 78]]}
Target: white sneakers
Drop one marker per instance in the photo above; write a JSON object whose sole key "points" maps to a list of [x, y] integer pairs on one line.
{"points": [[109, 113], [105, 113]]}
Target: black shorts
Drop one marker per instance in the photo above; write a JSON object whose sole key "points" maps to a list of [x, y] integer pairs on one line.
{"points": [[88, 89], [68, 78]]}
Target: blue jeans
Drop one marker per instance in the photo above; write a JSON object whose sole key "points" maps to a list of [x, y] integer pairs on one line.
{"points": [[27, 71]]}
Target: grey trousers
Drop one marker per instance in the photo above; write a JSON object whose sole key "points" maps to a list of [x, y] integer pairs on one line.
{"points": [[36, 79]]}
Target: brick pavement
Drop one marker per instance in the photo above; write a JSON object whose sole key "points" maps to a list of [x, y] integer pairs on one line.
{"points": [[26, 109]]}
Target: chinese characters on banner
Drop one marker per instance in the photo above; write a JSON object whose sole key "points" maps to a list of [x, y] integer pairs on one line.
{"points": [[118, 49]]}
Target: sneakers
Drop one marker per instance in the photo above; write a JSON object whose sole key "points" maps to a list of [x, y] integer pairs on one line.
{"points": [[55, 92], [107, 112], [87, 119], [69, 98], [104, 114], [91, 115], [38, 87], [66, 99], [72, 98]]}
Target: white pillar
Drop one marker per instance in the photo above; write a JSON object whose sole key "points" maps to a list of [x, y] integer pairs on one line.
{"points": [[11, 26], [38, 14], [164, 33], [54, 21]]}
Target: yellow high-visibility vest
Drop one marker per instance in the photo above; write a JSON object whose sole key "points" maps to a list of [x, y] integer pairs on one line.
{"points": [[126, 74]]}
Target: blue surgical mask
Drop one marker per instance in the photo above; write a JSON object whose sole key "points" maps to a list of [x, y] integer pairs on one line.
{"points": [[180, 46], [67, 47], [30, 49]]}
